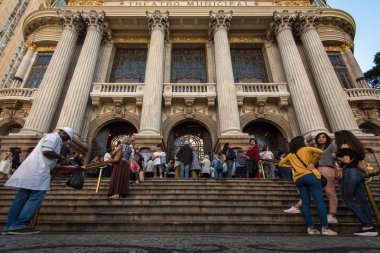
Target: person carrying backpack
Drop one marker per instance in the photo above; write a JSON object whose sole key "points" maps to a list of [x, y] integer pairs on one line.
{"points": [[218, 166]]}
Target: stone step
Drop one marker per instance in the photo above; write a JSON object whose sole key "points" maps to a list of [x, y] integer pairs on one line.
{"points": [[184, 227], [175, 217], [73, 208]]}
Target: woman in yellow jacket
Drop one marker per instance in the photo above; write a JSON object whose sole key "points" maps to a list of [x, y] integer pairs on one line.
{"points": [[302, 159]]}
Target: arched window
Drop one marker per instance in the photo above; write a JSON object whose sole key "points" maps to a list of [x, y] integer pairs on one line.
{"points": [[38, 70], [129, 65]]}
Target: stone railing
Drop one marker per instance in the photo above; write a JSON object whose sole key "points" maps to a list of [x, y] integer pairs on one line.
{"points": [[189, 91], [17, 94], [359, 94], [262, 91], [117, 91]]}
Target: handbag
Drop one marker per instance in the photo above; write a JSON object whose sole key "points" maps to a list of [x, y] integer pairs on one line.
{"points": [[5, 167], [316, 173], [76, 180]]}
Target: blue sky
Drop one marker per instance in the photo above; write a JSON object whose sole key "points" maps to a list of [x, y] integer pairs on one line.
{"points": [[367, 38]]}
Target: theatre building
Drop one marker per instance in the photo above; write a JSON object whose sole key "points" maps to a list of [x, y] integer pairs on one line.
{"points": [[209, 72]]}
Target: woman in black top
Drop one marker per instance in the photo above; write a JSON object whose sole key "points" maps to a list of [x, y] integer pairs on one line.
{"points": [[350, 152]]}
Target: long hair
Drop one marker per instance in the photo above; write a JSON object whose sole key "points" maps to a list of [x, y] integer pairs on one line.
{"points": [[346, 137], [296, 143], [328, 140]]}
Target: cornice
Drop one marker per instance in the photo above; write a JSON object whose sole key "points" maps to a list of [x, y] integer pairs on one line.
{"points": [[38, 19]]}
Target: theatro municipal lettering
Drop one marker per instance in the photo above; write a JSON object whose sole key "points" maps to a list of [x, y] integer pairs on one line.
{"points": [[187, 3]]}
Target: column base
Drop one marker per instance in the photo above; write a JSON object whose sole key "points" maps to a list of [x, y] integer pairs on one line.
{"points": [[150, 141], [240, 140], [22, 141]]}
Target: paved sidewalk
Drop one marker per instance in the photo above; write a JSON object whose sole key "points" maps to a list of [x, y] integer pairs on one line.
{"points": [[199, 243]]}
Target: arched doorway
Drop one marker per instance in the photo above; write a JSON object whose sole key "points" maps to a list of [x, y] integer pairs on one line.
{"points": [[11, 129], [196, 134], [267, 134], [370, 128], [109, 135]]}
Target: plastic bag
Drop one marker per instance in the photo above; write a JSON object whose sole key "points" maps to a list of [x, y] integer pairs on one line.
{"points": [[76, 181]]}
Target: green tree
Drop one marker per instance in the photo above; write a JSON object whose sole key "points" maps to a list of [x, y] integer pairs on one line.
{"points": [[373, 75]]}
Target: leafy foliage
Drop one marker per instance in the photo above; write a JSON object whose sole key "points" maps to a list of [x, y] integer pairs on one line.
{"points": [[373, 75]]}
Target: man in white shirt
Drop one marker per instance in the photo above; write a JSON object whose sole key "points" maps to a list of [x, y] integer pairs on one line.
{"points": [[32, 179]]}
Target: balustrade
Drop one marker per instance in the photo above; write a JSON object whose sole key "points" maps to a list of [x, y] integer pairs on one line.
{"points": [[23, 93]]}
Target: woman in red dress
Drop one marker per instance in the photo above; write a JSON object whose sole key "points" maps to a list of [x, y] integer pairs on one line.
{"points": [[253, 151]]}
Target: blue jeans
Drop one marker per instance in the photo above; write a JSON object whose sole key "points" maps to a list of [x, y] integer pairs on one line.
{"points": [[310, 184], [230, 165], [352, 186], [185, 168], [23, 208], [218, 174]]}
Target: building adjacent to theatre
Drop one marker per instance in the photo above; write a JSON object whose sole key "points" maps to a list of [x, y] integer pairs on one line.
{"points": [[205, 71]]}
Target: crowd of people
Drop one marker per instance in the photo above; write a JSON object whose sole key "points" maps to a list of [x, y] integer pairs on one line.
{"points": [[308, 166]]}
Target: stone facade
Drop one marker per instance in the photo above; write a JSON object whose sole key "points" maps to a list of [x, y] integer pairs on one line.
{"points": [[295, 90]]}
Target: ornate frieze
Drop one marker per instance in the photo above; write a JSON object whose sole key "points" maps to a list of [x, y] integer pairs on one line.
{"points": [[158, 20], [140, 39], [219, 20], [188, 39], [86, 2], [71, 20], [246, 39], [292, 3], [343, 24]]}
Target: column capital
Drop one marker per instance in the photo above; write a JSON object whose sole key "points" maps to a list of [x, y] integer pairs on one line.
{"points": [[281, 21], [96, 20], [307, 20], [219, 20], [158, 20], [71, 20]]}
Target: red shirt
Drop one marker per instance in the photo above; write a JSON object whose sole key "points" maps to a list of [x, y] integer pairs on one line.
{"points": [[253, 151]]}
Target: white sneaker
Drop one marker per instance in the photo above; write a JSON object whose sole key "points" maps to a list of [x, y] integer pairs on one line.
{"points": [[327, 231], [292, 210], [313, 231], [331, 220]]}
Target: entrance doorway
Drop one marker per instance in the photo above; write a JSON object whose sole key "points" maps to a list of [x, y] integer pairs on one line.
{"points": [[109, 136], [192, 132], [267, 134]]}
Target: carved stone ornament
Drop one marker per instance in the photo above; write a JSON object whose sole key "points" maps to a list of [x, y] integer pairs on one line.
{"points": [[343, 24], [189, 110], [307, 20], [85, 2], [95, 20], [260, 110], [118, 109], [158, 20], [71, 20], [292, 3], [218, 20], [281, 20]]}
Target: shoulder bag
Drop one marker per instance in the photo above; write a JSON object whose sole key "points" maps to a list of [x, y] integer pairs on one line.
{"points": [[315, 172]]}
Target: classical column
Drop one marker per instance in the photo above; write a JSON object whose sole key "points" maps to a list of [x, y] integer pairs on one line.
{"points": [[303, 99], [228, 112], [337, 108], [24, 65], [74, 106], [158, 24], [361, 81], [168, 62], [45, 104]]}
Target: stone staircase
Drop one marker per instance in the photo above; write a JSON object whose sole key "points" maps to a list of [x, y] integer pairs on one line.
{"points": [[170, 205]]}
